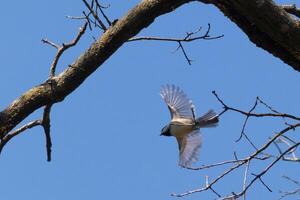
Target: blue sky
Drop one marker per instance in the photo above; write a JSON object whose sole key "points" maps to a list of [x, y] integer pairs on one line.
{"points": [[106, 142]]}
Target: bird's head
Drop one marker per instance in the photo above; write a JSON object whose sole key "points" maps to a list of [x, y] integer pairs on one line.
{"points": [[166, 131]]}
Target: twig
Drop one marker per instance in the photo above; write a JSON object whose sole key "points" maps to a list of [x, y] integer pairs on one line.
{"points": [[9, 136], [76, 17], [266, 105], [184, 53], [242, 162], [245, 123], [100, 7], [245, 177], [235, 196], [188, 38], [103, 27], [293, 192], [227, 108], [61, 49], [292, 180]]}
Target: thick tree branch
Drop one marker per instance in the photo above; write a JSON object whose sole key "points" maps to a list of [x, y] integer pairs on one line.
{"points": [[58, 87], [267, 25], [292, 9]]}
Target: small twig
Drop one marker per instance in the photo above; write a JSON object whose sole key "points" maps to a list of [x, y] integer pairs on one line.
{"points": [[289, 193], [260, 179], [292, 180], [8, 137], [294, 157], [227, 108], [258, 176], [100, 7], [292, 9], [103, 27], [215, 165], [242, 162], [210, 184], [245, 177], [266, 105], [188, 38], [245, 123], [76, 17], [184, 53], [61, 49]]}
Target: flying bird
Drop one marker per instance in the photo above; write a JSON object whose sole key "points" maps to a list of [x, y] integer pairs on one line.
{"points": [[184, 126]]}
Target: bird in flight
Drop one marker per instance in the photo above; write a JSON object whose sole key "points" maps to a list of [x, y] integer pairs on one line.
{"points": [[184, 126]]}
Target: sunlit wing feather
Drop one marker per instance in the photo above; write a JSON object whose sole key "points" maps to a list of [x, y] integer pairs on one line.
{"points": [[189, 147], [178, 103]]}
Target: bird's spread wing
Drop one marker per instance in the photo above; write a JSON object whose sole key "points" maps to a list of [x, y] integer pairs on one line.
{"points": [[189, 147], [178, 103]]}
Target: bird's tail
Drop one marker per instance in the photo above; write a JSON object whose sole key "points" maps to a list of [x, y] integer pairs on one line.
{"points": [[209, 119]]}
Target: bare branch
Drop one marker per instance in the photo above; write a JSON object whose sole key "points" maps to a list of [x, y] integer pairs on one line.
{"points": [[9, 136], [227, 108], [100, 7], [46, 125], [64, 47], [241, 162], [95, 15], [245, 177], [235, 196], [188, 38]]}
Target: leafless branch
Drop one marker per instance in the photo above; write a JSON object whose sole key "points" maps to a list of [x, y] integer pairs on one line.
{"points": [[76, 17], [293, 192], [45, 121], [228, 108], [9, 136], [245, 177], [237, 163], [64, 47], [103, 27], [100, 7], [258, 176], [190, 36], [46, 125]]}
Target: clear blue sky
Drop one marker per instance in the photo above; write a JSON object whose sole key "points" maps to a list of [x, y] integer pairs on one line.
{"points": [[106, 142]]}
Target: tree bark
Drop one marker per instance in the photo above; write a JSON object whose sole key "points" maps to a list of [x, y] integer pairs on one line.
{"points": [[267, 25]]}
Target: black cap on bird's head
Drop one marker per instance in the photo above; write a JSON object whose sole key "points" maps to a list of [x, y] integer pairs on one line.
{"points": [[166, 131]]}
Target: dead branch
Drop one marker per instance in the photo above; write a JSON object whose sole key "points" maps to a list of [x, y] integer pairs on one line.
{"points": [[190, 36], [9, 136], [237, 163], [102, 26], [64, 47]]}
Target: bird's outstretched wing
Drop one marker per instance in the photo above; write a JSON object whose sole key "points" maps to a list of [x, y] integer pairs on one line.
{"points": [[178, 103], [189, 147]]}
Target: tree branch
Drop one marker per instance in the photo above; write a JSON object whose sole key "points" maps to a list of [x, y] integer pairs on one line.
{"points": [[58, 87], [64, 47], [8, 137], [292, 9], [267, 25]]}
